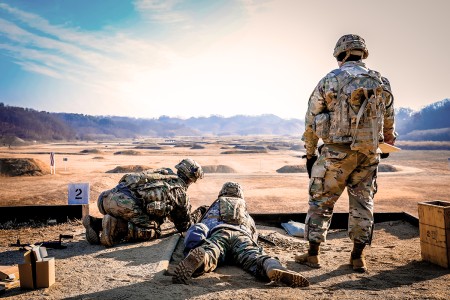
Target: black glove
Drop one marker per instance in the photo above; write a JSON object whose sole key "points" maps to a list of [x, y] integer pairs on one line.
{"points": [[197, 214], [320, 149], [309, 163], [384, 155]]}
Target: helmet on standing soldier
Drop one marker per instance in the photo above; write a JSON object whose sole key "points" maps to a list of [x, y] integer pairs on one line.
{"points": [[351, 44], [189, 169]]}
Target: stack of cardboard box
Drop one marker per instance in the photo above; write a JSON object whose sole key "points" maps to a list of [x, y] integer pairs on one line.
{"points": [[38, 271]]}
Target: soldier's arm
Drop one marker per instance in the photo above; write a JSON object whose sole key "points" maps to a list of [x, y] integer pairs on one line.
{"points": [[389, 119], [181, 212], [316, 105]]}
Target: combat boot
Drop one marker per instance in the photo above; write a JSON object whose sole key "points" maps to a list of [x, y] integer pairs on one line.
{"points": [[357, 258], [277, 273], [114, 230], [310, 258], [140, 234], [187, 267], [93, 227]]}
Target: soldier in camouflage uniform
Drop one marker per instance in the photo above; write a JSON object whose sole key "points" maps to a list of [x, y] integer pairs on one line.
{"points": [[227, 231], [352, 111], [135, 209]]}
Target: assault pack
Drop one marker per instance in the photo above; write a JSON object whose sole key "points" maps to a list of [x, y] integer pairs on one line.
{"points": [[154, 187], [356, 114]]}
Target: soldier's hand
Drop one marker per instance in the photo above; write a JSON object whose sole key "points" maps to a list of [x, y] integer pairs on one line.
{"points": [[198, 213], [384, 155], [309, 164]]}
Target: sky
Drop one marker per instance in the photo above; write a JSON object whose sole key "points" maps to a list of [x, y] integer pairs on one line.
{"points": [[197, 58]]}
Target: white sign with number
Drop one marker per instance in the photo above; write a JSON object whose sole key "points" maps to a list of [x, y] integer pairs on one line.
{"points": [[78, 193]]}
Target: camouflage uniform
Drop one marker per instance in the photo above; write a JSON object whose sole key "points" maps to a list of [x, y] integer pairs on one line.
{"points": [[145, 199], [235, 242], [140, 203], [340, 164], [227, 232]]}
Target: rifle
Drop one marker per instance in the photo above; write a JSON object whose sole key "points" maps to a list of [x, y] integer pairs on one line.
{"points": [[48, 244]]}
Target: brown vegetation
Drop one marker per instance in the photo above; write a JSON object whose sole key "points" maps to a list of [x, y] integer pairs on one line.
{"points": [[23, 167]]}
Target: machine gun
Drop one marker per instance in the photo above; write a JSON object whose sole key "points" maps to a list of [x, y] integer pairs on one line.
{"points": [[47, 244]]}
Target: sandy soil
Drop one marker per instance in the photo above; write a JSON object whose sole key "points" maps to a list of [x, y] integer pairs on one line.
{"points": [[134, 271]]}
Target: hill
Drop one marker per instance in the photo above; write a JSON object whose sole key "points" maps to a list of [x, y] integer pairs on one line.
{"points": [[429, 124]]}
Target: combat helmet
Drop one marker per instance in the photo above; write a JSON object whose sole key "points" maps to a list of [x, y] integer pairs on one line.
{"points": [[348, 43], [189, 169], [231, 189]]}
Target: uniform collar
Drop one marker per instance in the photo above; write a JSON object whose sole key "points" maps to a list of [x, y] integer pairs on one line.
{"points": [[349, 64]]}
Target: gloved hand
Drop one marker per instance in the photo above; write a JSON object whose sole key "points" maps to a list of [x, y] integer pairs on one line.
{"points": [[384, 155], [198, 213], [309, 164]]}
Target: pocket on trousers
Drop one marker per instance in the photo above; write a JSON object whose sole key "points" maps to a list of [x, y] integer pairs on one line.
{"points": [[318, 171], [333, 154]]}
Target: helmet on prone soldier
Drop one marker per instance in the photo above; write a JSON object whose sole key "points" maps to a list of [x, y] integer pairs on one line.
{"points": [[190, 169], [231, 189], [351, 44]]}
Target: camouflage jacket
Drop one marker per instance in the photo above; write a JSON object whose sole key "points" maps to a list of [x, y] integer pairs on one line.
{"points": [[323, 100], [214, 219], [162, 194]]}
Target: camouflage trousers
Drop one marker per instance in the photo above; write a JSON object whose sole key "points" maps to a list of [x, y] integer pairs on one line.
{"points": [[120, 203], [337, 168], [234, 247]]}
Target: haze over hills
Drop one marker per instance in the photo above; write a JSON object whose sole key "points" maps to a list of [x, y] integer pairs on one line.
{"points": [[431, 123]]}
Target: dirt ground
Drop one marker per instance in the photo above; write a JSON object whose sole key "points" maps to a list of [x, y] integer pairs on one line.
{"points": [[135, 271]]}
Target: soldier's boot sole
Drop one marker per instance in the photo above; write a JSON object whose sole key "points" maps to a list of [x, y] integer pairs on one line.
{"points": [[109, 224], [358, 264], [311, 261], [92, 236], [187, 267], [289, 278]]}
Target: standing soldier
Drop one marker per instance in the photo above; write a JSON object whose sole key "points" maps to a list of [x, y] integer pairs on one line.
{"points": [[352, 111], [135, 209]]}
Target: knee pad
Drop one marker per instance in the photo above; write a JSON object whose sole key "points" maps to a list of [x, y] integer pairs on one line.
{"points": [[100, 203]]}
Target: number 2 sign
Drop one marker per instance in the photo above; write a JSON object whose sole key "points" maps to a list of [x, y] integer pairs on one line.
{"points": [[78, 193]]}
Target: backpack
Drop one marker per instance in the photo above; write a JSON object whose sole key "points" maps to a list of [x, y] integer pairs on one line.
{"points": [[356, 114], [154, 188], [232, 210]]}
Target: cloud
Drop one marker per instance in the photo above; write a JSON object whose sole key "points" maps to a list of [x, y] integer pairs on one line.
{"points": [[161, 11], [101, 59]]}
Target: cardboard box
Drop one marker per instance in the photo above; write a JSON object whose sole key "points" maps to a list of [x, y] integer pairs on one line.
{"points": [[38, 270], [434, 226], [45, 272]]}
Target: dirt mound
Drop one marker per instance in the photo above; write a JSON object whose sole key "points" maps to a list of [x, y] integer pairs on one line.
{"points": [[250, 147], [91, 151], [197, 146], [12, 141], [243, 151], [218, 169], [297, 147], [129, 169], [183, 145], [150, 147], [23, 167], [128, 152], [292, 169], [386, 168]]}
